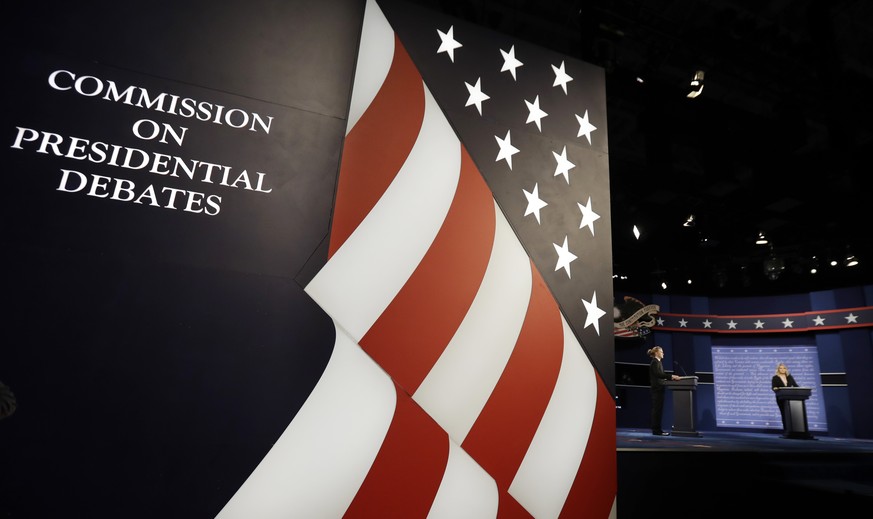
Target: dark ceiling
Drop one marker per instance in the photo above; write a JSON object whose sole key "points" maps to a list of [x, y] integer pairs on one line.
{"points": [[775, 142]]}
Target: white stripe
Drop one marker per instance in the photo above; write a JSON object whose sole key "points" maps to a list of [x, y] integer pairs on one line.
{"points": [[318, 464], [466, 491], [374, 60], [546, 474], [457, 388], [365, 274]]}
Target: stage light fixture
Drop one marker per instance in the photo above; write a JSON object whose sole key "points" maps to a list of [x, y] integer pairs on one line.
{"points": [[773, 265], [689, 221], [762, 239], [851, 260], [696, 84]]}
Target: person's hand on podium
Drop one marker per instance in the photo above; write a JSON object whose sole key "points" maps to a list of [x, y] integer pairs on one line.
{"points": [[676, 377]]}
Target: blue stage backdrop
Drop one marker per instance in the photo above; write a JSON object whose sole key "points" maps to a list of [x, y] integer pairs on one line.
{"points": [[743, 396]]}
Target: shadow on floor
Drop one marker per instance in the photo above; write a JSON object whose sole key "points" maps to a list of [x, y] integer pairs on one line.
{"points": [[741, 474]]}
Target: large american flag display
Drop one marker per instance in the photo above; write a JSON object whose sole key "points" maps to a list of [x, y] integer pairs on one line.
{"points": [[469, 264]]}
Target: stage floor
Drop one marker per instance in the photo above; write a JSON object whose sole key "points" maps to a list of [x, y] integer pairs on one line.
{"points": [[631, 439], [741, 474]]}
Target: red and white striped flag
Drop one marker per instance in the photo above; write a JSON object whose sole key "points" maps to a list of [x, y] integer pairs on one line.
{"points": [[457, 386]]}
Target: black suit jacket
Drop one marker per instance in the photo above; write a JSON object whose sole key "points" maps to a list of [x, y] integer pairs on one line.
{"points": [[777, 382], [657, 375]]}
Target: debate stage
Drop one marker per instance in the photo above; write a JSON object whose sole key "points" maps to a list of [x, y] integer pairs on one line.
{"points": [[748, 474]]}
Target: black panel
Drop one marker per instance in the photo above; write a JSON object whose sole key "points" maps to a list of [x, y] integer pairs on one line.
{"points": [[160, 350]]}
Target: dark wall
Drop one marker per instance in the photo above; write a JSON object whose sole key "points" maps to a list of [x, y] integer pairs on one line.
{"points": [[157, 350]]}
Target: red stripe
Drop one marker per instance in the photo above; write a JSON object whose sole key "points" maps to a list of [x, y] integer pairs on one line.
{"points": [[415, 328], [509, 508], [504, 430], [594, 489], [377, 146], [407, 472]]}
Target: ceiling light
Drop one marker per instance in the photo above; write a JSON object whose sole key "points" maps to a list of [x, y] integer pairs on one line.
{"points": [[851, 260], [762, 239], [696, 84], [705, 241], [636, 232], [689, 222]]}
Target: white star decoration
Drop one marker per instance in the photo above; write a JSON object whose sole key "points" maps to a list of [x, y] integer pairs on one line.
{"points": [[594, 313], [564, 257], [564, 166], [561, 77], [476, 95], [588, 216], [786, 322], [448, 43], [534, 112], [507, 150], [509, 61], [558, 204], [585, 127], [534, 204]]}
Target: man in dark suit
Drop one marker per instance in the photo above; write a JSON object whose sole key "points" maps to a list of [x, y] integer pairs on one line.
{"points": [[657, 379]]}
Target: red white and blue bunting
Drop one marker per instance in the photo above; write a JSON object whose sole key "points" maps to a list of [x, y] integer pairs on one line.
{"points": [[766, 323]]}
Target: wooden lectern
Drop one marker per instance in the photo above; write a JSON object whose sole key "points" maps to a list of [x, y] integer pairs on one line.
{"points": [[794, 398], [683, 405]]}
